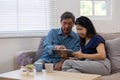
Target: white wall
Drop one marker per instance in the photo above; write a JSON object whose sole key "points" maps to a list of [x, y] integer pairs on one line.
{"points": [[108, 26], [9, 46]]}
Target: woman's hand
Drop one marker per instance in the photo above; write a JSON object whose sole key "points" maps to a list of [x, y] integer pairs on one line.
{"points": [[78, 55]]}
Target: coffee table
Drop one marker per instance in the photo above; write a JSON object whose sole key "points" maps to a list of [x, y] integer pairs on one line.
{"points": [[56, 75]]}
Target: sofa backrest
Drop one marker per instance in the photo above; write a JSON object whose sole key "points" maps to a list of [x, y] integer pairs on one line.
{"points": [[109, 36], [40, 48]]}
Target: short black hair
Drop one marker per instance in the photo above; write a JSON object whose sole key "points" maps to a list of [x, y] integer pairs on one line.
{"points": [[67, 15]]}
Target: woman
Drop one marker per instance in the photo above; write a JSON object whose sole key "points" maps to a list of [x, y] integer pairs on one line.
{"points": [[92, 57]]}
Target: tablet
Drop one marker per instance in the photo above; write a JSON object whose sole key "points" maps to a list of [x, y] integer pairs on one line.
{"points": [[67, 51]]}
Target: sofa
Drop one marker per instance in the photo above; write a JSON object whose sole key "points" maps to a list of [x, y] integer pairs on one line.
{"points": [[112, 48]]}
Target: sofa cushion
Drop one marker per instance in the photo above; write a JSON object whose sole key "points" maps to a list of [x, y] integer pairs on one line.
{"points": [[113, 50], [40, 49]]}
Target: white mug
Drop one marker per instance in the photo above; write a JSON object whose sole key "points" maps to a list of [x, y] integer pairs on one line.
{"points": [[49, 67]]}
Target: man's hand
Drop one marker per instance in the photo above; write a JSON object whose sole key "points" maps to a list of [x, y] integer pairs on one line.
{"points": [[57, 47], [63, 55], [58, 66]]}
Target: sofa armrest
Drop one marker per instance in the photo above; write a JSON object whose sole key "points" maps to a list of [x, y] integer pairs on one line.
{"points": [[28, 53]]}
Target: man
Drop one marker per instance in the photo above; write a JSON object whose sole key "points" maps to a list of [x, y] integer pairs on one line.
{"points": [[63, 38]]}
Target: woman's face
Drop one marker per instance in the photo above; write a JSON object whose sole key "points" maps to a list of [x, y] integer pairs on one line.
{"points": [[81, 31]]}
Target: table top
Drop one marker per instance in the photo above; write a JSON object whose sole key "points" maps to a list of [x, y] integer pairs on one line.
{"points": [[56, 75]]}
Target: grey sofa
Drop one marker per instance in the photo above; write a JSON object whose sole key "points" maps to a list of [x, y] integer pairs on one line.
{"points": [[112, 47]]}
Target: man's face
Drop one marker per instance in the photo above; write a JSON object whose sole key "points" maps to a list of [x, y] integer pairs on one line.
{"points": [[67, 25]]}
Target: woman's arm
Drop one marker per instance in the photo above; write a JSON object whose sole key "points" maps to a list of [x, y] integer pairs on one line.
{"points": [[100, 55]]}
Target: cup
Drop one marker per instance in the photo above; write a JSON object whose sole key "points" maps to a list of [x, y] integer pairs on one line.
{"points": [[23, 71], [38, 66], [49, 67]]}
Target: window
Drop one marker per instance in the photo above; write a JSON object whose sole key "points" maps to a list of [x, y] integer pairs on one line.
{"points": [[96, 9], [26, 16]]}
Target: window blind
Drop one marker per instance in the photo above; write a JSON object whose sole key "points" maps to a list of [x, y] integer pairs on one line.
{"points": [[22, 16]]}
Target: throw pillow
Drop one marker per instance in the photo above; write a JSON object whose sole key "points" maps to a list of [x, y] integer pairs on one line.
{"points": [[40, 49], [113, 50], [23, 60]]}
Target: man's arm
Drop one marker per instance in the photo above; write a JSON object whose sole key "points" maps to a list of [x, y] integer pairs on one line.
{"points": [[76, 44], [48, 43], [58, 66]]}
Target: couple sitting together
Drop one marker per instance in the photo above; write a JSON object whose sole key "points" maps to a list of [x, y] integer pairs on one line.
{"points": [[88, 47]]}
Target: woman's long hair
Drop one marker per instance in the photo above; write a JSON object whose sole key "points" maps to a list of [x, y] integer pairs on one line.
{"points": [[86, 23]]}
